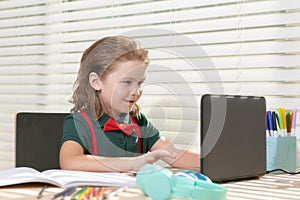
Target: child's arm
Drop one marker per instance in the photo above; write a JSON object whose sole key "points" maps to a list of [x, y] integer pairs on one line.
{"points": [[185, 158], [73, 158]]}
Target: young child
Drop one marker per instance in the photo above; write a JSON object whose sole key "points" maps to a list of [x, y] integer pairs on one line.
{"points": [[106, 130]]}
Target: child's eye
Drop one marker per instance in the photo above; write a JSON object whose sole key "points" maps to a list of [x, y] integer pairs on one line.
{"points": [[127, 82], [140, 83]]}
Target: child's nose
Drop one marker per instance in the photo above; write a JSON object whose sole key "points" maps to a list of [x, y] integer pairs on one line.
{"points": [[136, 91]]}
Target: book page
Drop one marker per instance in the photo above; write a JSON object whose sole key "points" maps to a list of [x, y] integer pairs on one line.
{"points": [[69, 178], [21, 175]]}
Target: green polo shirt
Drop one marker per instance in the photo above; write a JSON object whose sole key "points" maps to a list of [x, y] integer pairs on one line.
{"points": [[112, 143]]}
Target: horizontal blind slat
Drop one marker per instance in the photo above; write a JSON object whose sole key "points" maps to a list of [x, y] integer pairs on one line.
{"points": [[275, 89], [257, 61], [260, 47], [227, 75], [69, 69], [152, 19]]}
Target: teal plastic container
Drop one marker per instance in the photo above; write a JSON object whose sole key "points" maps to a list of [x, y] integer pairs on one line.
{"points": [[281, 153]]}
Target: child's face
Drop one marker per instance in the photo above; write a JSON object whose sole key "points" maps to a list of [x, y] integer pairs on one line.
{"points": [[122, 87]]}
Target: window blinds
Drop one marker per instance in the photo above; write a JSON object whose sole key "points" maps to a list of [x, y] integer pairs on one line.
{"points": [[248, 47]]}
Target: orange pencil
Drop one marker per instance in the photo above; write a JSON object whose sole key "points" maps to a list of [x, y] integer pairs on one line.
{"points": [[99, 195]]}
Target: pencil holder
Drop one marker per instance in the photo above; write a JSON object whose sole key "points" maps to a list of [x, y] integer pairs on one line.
{"points": [[281, 153]]}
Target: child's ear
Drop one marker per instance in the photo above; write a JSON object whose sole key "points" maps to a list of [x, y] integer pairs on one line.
{"points": [[95, 81]]}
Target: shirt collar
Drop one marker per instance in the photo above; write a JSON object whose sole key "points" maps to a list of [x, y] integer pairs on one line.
{"points": [[125, 118]]}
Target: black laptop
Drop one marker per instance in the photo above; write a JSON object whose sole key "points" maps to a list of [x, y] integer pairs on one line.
{"points": [[233, 137]]}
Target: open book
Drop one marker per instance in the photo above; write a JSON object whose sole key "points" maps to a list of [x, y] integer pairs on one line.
{"points": [[64, 178]]}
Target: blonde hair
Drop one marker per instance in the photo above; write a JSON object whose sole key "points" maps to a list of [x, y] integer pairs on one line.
{"points": [[99, 58]]}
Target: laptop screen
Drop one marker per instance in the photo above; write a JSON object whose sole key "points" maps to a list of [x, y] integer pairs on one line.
{"points": [[233, 139]]}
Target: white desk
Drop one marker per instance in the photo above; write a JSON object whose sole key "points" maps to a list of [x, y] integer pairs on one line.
{"points": [[268, 187]]}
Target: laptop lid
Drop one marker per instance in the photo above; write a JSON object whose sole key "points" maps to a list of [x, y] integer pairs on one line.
{"points": [[233, 139], [38, 137]]}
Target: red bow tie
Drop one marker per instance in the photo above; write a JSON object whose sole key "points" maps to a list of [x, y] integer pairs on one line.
{"points": [[112, 125]]}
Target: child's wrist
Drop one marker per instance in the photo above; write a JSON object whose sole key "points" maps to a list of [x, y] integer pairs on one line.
{"points": [[136, 163]]}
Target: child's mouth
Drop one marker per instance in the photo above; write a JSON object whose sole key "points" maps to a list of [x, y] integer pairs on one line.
{"points": [[130, 101]]}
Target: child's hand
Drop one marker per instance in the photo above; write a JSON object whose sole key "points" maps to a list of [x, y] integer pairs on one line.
{"points": [[152, 157]]}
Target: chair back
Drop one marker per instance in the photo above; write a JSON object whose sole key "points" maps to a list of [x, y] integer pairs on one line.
{"points": [[38, 137]]}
